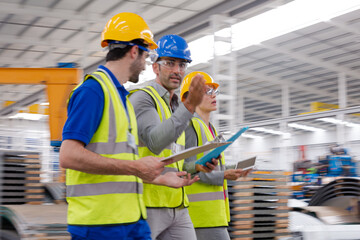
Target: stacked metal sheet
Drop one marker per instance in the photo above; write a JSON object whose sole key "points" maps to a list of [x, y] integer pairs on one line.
{"points": [[258, 206], [20, 178], [40, 222], [55, 192], [338, 193]]}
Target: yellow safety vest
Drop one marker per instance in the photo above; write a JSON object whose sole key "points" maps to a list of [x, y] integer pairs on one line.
{"points": [[107, 199], [208, 205], [162, 196]]}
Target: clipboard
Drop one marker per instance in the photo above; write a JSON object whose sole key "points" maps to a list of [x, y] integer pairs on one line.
{"points": [[217, 151], [195, 150], [246, 164]]}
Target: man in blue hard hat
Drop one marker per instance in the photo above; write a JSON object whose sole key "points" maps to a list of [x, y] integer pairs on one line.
{"points": [[162, 119]]}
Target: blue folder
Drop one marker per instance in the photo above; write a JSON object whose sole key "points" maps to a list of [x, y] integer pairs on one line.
{"points": [[217, 151]]}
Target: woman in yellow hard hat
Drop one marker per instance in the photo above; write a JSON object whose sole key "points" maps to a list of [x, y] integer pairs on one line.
{"points": [[209, 205]]}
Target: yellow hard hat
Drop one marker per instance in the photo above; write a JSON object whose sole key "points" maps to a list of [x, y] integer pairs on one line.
{"points": [[188, 78], [126, 27]]}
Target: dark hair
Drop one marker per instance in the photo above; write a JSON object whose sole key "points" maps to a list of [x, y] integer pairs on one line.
{"points": [[185, 95], [118, 53]]}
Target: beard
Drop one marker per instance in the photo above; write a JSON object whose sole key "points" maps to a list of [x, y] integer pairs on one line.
{"points": [[135, 69], [168, 84]]}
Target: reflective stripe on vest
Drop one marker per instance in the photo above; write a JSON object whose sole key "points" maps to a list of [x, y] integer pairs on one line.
{"points": [[169, 169], [116, 148], [162, 196], [204, 197], [102, 188], [92, 198]]}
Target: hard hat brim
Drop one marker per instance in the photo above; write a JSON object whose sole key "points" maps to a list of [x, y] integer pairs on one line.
{"points": [[214, 85]]}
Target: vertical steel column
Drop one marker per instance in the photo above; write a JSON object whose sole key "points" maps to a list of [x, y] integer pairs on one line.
{"points": [[342, 95], [285, 106], [224, 72]]}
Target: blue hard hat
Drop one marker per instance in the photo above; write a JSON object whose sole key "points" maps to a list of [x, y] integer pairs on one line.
{"points": [[173, 46]]}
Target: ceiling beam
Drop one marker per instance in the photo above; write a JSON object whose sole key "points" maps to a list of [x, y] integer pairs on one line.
{"points": [[203, 18], [6, 19], [53, 43], [85, 5], [313, 90], [71, 15], [27, 27], [191, 25], [311, 60], [309, 116], [27, 62], [54, 3], [344, 27], [26, 101]]}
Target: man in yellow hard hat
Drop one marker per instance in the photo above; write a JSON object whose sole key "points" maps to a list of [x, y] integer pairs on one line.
{"points": [[209, 204], [162, 119], [100, 142]]}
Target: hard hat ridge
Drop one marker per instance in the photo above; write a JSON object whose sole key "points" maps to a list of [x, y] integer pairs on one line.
{"points": [[126, 27], [173, 46], [185, 85]]}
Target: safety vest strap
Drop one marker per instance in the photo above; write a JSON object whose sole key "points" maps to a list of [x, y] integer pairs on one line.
{"points": [[100, 76], [81, 190], [156, 97], [166, 109]]}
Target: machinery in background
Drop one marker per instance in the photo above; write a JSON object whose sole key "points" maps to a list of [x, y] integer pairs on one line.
{"points": [[58, 81], [308, 175], [338, 163], [30, 218], [304, 175]]}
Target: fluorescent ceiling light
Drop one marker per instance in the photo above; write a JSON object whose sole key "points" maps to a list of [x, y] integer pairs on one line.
{"points": [[261, 129], [338, 121], [350, 124], [304, 127], [44, 104], [288, 18], [279, 21], [245, 135], [28, 116]]}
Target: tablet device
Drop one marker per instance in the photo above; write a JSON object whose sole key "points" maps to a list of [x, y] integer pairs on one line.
{"points": [[246, 164], [217, 151]]}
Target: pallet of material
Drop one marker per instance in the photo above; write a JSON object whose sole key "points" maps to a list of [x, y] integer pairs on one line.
{"points": [[252, 234], [250, 224], [259, 203], [258, 227], [37, 222], [20, 181], [259, 217], [258, 206]]}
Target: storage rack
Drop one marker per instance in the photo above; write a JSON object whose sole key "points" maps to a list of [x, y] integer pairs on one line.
{"points": [[20, 181], [258, 206]]}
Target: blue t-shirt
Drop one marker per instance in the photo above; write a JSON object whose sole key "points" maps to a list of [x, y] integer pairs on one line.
{"points": [[85, 108], [134, 231], [85, 111]]}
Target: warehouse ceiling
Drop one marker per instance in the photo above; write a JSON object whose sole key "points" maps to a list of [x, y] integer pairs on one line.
{"points": [[307, 62]]}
